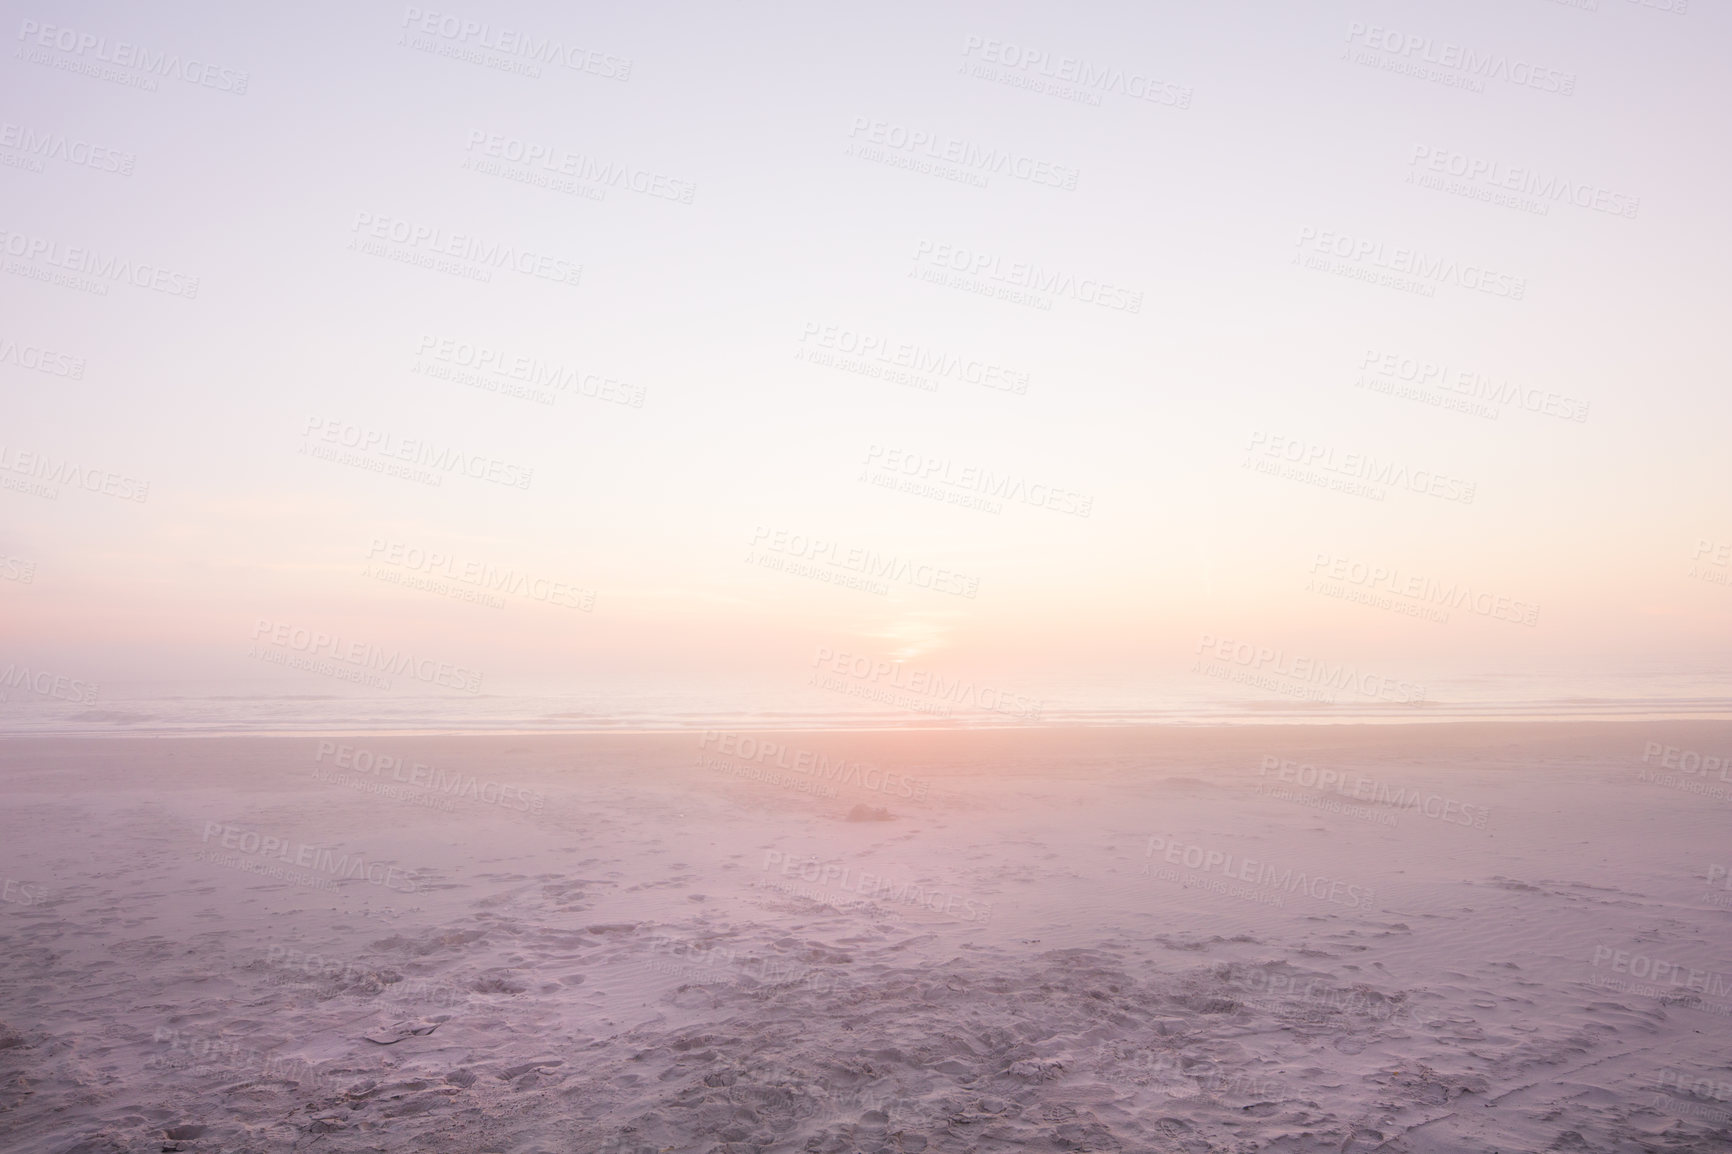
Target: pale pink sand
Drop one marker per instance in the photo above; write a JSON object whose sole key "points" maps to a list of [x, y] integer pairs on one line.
{"points": [[628, 950]]}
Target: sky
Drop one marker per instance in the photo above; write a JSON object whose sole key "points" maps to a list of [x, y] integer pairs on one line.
{"points": [[534, 348]]}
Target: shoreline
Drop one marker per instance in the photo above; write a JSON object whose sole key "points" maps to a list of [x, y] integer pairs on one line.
{"points": [[1357, 724]]}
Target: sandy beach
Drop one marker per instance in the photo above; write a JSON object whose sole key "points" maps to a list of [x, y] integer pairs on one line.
{"points": [[711, 578], [1402, 938]]}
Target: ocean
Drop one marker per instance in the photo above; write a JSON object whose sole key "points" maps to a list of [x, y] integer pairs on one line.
{"points": [[667, 704]]}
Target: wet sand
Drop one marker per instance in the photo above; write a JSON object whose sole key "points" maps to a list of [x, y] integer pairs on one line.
{"points": [[1399, 938]]}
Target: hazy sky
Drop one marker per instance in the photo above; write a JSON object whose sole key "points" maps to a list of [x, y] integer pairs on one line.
{"points": [[1165, 313]]}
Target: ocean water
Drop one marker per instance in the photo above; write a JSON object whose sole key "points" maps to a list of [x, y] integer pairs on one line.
{"points": [[664, 704]]}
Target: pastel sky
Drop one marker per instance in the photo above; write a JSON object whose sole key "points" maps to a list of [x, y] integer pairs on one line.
{"points": [[1094, 330]]}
